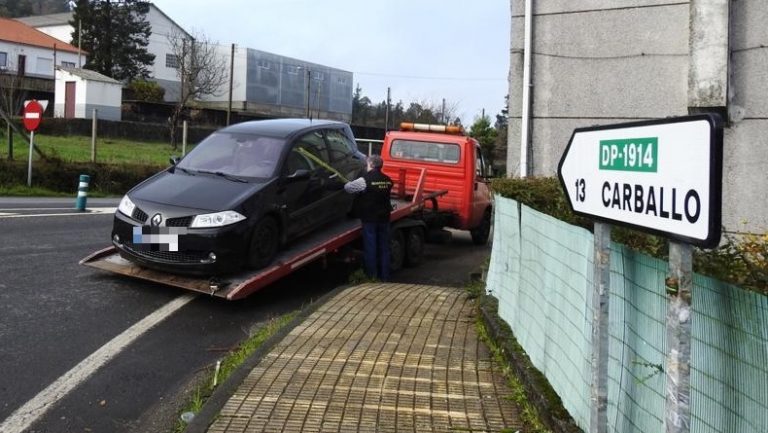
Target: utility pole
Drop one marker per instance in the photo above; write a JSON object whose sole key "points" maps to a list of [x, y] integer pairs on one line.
{"points": [[79, 43], [386, 115], [442, 113], [309, 77], [231, 82]]}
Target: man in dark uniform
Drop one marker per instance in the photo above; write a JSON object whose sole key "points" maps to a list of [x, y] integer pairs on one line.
{"points": [[373, 208]]}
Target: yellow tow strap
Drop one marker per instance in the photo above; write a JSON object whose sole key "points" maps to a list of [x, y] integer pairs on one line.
{"points": [[321, 163]]}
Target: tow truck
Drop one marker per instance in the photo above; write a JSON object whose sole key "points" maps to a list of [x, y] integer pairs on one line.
{"points": [[439, 177], [408, 234]]}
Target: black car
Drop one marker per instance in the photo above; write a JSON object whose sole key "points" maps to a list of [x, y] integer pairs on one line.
{"points": [[241, 194]]}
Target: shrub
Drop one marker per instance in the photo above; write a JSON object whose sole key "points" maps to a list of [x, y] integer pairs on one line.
{"points": [[147, 91], [741, 260], [56, 175]]}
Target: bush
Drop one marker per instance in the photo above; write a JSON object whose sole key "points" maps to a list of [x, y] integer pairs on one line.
{"points": [[741, 260], [147, 91], [56, 175]]}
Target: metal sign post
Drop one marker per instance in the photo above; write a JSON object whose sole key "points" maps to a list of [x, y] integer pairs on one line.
{"points": [[602, 283], [33, 114], [677, 410]]}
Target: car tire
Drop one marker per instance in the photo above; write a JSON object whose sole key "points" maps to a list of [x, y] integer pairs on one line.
{"points": [[396, 250], [265, 241], [481, 232], [414, 252]]}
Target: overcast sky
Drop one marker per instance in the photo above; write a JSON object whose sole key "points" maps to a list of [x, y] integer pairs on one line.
{"points": [[425, 50]]}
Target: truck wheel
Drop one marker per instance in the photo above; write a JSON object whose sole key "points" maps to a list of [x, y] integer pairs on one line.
{"points": [[265, 241], [414, 252], [396, 250], [481, 232]]}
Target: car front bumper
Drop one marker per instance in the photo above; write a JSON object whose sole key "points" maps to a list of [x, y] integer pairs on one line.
{"points": [[207, 252]]}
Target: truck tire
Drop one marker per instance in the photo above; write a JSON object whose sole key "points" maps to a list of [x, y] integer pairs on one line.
{"points": [[414, 251], [481, 232], [265, 241], [397, 250]]}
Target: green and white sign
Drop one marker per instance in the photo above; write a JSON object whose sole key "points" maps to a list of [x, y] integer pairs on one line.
{"points": [[660, 176]]}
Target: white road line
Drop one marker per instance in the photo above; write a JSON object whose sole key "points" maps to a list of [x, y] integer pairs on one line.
{"points": [[22, 418], [89, 211], [5, 214]]}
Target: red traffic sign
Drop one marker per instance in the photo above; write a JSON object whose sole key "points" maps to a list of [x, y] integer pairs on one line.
{"points": [[33, 114]]}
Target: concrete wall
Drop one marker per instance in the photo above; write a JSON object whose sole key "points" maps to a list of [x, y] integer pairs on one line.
{"points": [[609, 61]]}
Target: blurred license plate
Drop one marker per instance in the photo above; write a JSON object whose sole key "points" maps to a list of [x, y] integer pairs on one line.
{"points": [[158, 238]]}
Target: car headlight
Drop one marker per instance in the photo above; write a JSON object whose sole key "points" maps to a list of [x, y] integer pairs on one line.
{"points": [[126, 206], [218, 219]]}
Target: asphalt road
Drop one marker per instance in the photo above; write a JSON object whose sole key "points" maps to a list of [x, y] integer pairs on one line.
{"points": [[54, 314]]}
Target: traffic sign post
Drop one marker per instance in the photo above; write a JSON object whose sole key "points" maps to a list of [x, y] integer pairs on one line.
{"points": [[33, 115], [662, 177]]}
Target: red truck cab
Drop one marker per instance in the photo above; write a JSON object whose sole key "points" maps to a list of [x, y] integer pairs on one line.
{"points": [[454, 162]]}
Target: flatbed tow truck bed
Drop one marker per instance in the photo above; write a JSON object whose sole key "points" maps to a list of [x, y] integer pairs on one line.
{"points": [[296, 255]]}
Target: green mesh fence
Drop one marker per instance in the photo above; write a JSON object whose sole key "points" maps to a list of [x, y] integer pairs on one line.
{"points": [[541, 273]]}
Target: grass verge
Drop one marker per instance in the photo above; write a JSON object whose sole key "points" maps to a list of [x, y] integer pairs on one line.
{"points": [[229, 364], [25, 191], [77, 148], [528, 411]]}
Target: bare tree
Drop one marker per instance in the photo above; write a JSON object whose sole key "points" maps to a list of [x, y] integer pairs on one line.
{"points": [[11, 102], [201, 70]]}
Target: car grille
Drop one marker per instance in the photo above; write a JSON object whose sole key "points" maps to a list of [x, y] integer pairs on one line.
{"points": [[179, 222], [139, 215], [169, 256]]}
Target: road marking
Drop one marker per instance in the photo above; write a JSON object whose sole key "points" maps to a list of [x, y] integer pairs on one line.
{"points": [[89, 211], [5, 214], [22, 418]]}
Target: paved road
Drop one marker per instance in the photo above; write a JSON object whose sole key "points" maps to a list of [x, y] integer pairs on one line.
{"points": [[54, 314]]}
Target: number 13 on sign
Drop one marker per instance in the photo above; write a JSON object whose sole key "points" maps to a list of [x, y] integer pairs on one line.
{"points": [[580, 190]]}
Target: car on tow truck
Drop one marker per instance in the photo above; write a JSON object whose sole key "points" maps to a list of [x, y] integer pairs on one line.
{"points": [[239, 196]]}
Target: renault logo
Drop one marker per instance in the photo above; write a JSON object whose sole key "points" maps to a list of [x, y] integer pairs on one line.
{"points": [[157, 219]]}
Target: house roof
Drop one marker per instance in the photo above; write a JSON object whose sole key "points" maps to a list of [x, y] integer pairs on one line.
{"points": [[17, 32], [63, 19], [36, 21], [88, 74]]}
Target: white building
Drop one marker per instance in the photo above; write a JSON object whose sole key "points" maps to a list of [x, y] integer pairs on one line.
{"points": [[27, 52], [80, 91], [163, 69], [603, 62]]}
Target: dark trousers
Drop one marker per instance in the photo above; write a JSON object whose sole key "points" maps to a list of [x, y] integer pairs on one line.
{"points": [[376, 250]]}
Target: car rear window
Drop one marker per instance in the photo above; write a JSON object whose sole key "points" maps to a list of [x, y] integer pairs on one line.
{"points": [[446, 153]]}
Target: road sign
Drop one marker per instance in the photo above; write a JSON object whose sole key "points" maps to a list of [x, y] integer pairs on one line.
{"points": [[33, 114], [662, 176]]}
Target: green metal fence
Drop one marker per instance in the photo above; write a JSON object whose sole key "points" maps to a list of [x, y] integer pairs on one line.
{"points": [[541, 273]]}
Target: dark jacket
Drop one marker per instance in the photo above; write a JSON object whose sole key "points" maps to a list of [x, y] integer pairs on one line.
{"points": [[373, 205]]}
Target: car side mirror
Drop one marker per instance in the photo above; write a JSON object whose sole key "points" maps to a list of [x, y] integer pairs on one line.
{"points": [[174, 160], [300, 174]]}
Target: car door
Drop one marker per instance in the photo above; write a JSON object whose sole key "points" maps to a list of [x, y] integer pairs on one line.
{"points": [[345, 161], [306, 197]]}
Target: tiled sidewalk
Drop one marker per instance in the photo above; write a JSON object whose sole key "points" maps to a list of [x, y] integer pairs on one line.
{"points": [[377, 358]]}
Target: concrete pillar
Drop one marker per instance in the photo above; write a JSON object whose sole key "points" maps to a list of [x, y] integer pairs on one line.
{"points": [[709, 54]]}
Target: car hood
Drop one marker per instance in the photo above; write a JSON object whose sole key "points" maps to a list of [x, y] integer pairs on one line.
{"points": [[199, 191]]}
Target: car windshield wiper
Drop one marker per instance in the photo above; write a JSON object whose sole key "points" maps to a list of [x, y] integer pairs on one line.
{"points": [[185, 170], [224, 175]]}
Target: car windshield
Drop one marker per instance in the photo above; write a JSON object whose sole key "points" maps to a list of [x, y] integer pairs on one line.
{"points": [[241, 155]]}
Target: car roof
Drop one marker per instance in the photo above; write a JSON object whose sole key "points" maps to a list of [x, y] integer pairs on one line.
{"points": [[279, 128]]}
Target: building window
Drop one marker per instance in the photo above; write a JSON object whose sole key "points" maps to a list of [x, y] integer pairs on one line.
{"points": [[292, 69], [68, 64], [264, 64], [342, 80], [318, 76], [171, 61], [3, 59]]}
